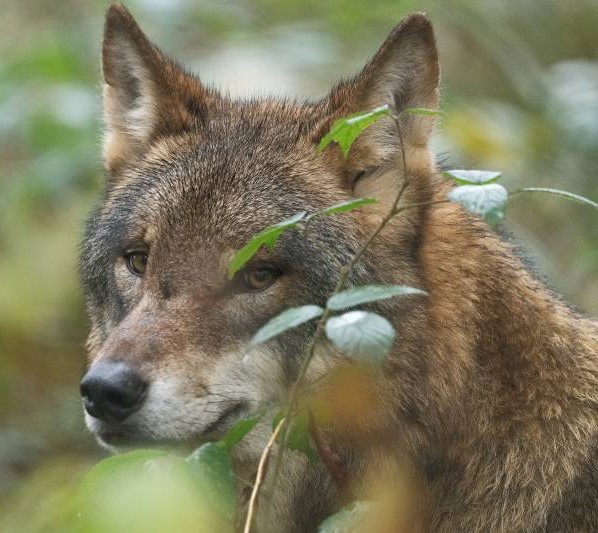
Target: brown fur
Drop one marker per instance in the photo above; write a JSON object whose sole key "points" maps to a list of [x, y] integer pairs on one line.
{"points": [[485, 416]]}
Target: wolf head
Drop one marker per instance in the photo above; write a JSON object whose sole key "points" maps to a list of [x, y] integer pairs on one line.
{"points": [[191, 176]]}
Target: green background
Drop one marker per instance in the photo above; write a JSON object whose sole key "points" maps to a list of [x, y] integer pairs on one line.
{"points": [[520, 96]]}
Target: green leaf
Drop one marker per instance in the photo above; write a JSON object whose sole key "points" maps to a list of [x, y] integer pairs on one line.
{"points": [[212, 470], [361, 335], [369, 293], [563, 194], [148, 491], [422, 111], [345, 130], [291, 318], [299, 436], [488, 201], [299, 433], [472, 177], [116, 464], [343, 207], [238, 431], [349, 519], [267, 237]]}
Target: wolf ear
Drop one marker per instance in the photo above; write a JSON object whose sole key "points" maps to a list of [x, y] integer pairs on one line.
{"points": [[404, 73], [145, 93]]}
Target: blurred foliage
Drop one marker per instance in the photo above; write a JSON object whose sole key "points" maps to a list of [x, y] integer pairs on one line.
{"points": [[520, 96]]}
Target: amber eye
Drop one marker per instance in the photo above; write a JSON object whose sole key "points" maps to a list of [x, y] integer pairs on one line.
{"points": [[136, 262], [257, 279]]}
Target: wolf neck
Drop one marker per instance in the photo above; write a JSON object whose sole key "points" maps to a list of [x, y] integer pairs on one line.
{"points": [[513, 378]]}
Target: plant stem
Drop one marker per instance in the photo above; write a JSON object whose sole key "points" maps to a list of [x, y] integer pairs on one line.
{"points": [[343, 277], [556, 192], [259, 478]]}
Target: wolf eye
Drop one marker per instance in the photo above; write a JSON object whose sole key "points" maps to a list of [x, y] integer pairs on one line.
{"points": [[136, 262], [358, 176], [259, 278], [364, 173]]}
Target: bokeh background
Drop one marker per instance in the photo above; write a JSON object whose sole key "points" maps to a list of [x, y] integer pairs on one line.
{"points": [[520, 95]]}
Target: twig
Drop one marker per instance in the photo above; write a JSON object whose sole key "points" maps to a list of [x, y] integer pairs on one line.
{"points": [[344, 276], [259, 478], [556, 192]]}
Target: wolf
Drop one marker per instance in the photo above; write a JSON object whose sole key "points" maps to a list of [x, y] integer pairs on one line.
{"points": [[487, 406]]}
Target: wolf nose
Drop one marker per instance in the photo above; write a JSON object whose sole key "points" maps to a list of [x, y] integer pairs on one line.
{"points": [[112, 390]]}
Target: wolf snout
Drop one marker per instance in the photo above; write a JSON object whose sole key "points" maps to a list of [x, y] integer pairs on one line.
{"points": [[112, 390]]}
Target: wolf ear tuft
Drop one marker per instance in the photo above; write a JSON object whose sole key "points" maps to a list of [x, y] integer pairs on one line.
{"points": [[145, 93], [404, 73]]}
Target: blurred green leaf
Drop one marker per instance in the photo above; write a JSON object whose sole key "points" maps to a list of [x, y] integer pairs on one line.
{"points": [[288, 319], [349, 519], [116, 464], [54, 59], [346, 130], [369, 293], [46, 501], [212, 469], [267, 237], [151, 491], [299, 438], [364, 336], [238, 431], [488, 201]]}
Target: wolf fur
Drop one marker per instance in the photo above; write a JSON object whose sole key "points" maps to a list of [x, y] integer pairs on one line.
{"points": [[485, 415]]}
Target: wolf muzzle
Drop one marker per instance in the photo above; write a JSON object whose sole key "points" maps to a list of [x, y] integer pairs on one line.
{"points": [[112, 390]]}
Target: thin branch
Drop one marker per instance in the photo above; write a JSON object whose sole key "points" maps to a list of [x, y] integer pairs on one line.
{"points": [[403, 160], [343, 277], [294, 395], [259, 478], [557, 192]]}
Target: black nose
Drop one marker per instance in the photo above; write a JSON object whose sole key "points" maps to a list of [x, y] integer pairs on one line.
{"points": [[112, 390]]}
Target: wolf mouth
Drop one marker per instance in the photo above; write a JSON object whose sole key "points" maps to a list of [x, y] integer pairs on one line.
{"points": [[129, 437], [226, 419]]}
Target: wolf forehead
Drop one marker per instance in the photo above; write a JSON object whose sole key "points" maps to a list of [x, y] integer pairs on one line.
{"points": [[243, 166], [191, 170], [185, 158], [206, 191]]}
